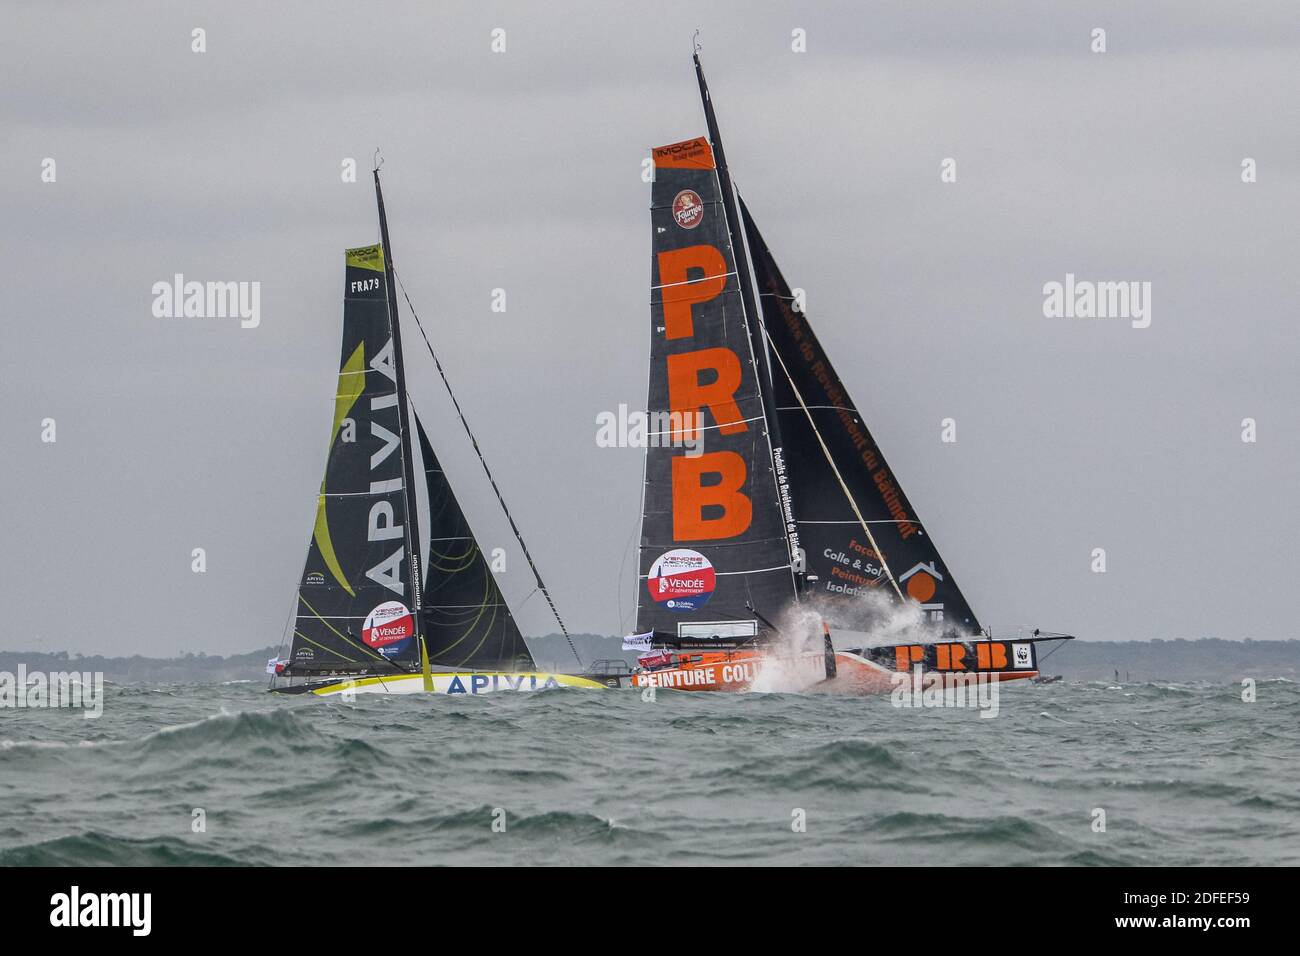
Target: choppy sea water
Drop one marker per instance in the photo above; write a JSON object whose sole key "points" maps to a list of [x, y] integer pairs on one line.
{"points": [[1186, 774]]}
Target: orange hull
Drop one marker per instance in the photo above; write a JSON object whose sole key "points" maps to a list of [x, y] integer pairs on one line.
{"points": [[747, 670], [856, 675], [734, 671]]}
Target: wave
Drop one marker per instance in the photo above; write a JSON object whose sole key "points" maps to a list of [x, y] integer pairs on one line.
{"points": [[93, 848], [841, 765]]}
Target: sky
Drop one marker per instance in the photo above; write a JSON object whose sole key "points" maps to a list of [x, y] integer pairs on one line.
{"points": [[521, 170]]}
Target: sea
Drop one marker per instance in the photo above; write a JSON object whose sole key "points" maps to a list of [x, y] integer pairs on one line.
{"points": [[1065, 774]]}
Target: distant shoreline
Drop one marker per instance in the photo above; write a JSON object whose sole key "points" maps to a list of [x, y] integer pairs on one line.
{"points": [[1204, 659]]}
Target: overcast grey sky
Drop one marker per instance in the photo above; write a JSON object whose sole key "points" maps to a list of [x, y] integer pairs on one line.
{"points": [[522, 171]]}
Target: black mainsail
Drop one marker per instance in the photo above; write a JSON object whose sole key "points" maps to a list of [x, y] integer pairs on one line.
{"points": [[714, 545], [358, 594]]}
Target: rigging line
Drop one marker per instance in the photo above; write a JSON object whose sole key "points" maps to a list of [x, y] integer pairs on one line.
{"points": [[622, 568], [1051, 652], [541, 586], [834, 468]]}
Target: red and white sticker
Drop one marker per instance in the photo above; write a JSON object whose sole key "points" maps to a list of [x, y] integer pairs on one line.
{"points": [[681, 579], [688, 209], [388, 623]]}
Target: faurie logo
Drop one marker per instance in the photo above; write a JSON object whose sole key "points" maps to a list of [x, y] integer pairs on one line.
{"points": [[688, 209]]}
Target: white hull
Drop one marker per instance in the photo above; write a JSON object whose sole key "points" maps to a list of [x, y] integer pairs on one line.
{"points": [[456, 682]]}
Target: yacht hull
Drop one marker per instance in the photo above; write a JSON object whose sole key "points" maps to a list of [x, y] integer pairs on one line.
{"points": [[472, 683]]}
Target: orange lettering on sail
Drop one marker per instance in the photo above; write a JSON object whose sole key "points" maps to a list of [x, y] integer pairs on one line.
{"points": [[688, 395], [691, 496], [679, 293]]}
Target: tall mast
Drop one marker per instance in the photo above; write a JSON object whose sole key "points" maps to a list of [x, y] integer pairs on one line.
{"points": [[403, 418], [753, 319]]}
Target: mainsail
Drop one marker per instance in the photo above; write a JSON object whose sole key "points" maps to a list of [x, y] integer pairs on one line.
{"points": [[860, 533], [713, 537], [357, 594]]}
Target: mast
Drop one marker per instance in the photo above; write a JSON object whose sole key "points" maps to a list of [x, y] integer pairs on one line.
{"points": [[753, 321], [403, 417]]}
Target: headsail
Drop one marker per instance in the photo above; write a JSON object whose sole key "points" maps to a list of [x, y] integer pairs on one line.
{"points": [[848, 560], [713, 540], [355, 599], [466, 622]]}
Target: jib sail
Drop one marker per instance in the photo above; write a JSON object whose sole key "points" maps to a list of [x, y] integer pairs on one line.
{"points": [[466, 622], [879, 546], [713, 539], [357, 596]]}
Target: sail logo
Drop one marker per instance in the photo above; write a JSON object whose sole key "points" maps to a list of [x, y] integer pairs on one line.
{"points": [[382, 523], [388, 623], [179, 299], [681, 580], [708, 490], [922, 583], [688, 209]]}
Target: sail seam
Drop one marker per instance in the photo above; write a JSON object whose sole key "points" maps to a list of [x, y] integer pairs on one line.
{"points": [[706, 428], [826, 408], [670, 285], [873, 521], [723, 574]]}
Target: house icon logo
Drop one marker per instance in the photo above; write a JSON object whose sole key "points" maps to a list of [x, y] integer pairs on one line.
{"points": [[922, 583]]}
